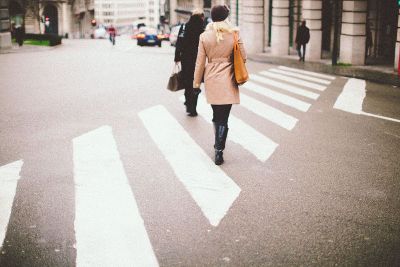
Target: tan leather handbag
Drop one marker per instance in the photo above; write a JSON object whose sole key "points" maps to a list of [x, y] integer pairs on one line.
{"points": [[241, 74]]}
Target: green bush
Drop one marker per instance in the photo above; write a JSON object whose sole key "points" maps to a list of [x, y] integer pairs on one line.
{"points": [[52, 38], [37, 42]]}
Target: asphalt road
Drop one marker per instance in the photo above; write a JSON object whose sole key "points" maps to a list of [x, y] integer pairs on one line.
{"points": [[100, 166]]}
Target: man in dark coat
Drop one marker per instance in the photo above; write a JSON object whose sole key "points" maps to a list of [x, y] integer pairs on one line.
{"points": [[186, 53], [302, 38]]}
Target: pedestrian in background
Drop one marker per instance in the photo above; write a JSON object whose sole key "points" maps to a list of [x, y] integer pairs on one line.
{"points": [[302, 38], [186, 53], [112, 32], [19, 34], [216, 45]]}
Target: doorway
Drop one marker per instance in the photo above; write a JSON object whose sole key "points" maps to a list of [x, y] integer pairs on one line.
{"points": [[50, 13], [381, 30]]}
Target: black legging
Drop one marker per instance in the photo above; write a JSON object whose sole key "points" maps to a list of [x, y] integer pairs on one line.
{"points": [[299, 46], [221, 113]]}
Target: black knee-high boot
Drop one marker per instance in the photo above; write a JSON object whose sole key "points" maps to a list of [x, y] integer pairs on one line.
{"points": [[191, 102], [187, 99], [221, 132], [193, 105]]}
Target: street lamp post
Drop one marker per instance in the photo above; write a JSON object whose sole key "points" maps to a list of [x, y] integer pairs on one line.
{"points": [[335, 50]]}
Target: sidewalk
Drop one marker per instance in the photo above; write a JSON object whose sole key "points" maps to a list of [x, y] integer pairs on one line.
{"points": [[378, 74], [26, 49]]}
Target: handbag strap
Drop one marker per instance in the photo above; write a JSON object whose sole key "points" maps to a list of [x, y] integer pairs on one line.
{"points": [[235, 38], [176, 68]]}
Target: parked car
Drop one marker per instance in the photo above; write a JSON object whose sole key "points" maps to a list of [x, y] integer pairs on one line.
{"points": [[100, 33], [149, 36], [173, 35], [138, 29], [166, 36]]}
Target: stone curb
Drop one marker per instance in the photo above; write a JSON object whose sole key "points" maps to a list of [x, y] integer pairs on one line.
{"points": [[27, 49], [361, 72]]}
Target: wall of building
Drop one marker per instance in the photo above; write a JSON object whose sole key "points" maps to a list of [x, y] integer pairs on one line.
{"points": [[270, 25], [127, 12]]}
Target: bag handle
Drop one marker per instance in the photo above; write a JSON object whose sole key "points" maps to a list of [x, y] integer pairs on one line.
{"points": [[176, 68], [235, 38]]}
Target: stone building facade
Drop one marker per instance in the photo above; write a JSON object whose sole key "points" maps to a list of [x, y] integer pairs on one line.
{"points": [[367, 32], [122, 13], [180, 10], [70, 18]]}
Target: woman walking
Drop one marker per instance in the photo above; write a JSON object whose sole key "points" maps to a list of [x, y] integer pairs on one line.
{"points": [[186, 53], [216, 45]]}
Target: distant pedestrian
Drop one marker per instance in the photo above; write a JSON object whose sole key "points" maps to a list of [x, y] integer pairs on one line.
{"points": [[19, 34], [186, 53], [216, 45], [302, 38], [112, 32]]}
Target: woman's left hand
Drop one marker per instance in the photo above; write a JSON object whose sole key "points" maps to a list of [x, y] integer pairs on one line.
{"points": [[196, 91]]}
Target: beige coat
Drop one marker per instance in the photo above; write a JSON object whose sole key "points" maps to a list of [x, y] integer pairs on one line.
{"points": [[219, 81]]}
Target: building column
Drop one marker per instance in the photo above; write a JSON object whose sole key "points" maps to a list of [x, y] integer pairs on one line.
{"points": [[280, 27], [66, 19], [397, 52], [234, 14], [312, 14], [252, 25], [266, 24], [5, 35], [353, 37], [173, 18]]}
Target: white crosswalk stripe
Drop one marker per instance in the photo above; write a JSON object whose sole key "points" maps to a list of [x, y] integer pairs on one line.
{"points": [[281, 98], [9, 176], [310, 73], [284, 86], [109, 228], [241, 133], [270, 113], [213, 191], [293, 80], [301, 76], [102, 188]]}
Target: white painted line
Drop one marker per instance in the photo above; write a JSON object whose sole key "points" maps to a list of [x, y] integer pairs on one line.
{"points": [[281, 98], [213, 191], [9, 176], [352, 97], [241, 133], [108, 226], [293, 80], [267, 112], [301, 76], [315, 74], [284, 86], [380, 117]]}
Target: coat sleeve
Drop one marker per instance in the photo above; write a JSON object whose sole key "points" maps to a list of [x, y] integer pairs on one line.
{"points": [[179, 45], [242, 50], [200, 64]]}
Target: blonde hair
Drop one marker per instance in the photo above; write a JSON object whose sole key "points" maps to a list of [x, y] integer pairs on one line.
{"points": [[197, 11], [221, 27]]}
